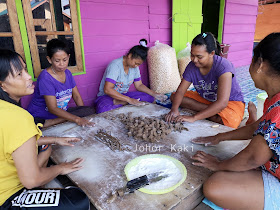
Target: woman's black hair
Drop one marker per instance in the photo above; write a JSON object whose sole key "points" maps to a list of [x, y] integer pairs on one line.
{"points": [[269, 50], [209, 41], [55, 45], [139, 51], [9, 64]]}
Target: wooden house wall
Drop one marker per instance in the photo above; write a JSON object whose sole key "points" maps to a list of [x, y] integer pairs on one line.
{"points": [[239, 30], [111, 28]]}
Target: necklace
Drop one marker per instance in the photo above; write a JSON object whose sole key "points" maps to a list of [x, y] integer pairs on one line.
{"points": [[53, 70]]}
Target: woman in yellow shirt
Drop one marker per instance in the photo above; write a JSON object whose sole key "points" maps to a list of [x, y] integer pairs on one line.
{"points": [[21, 168]]}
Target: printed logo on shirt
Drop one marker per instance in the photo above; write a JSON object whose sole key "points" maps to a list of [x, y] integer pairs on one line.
{"points": [[209, 88], [206, 86], [64, 92], [37, 198], [121, 87], [63, 102]]}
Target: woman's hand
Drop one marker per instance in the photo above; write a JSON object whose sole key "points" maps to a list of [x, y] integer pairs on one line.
{"points": [[185, 118], [160, 97], [136, 102], [207, 141], [72, 166], [66, 141], [170, 117], [84, 122], [207, 161]]}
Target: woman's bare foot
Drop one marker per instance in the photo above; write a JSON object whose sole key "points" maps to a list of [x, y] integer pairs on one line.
{"points": [[252, 109], [117, 102]]}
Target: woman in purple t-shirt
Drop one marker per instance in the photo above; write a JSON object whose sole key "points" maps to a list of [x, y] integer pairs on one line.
{"points": [[218, 96], [55, 87]]}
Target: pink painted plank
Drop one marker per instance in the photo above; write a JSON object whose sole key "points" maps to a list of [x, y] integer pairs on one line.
{"points": [[160, 7], [237, 28], [114, 27], [102, 59], [238, 37], [92, 90], [93, 76], [235, 47], [233, 8], [242, 62], [127, 2], [239, 19], [247, 2], [105, 11], [111, 43], [160, 21], [160, 34], [233, 56]]}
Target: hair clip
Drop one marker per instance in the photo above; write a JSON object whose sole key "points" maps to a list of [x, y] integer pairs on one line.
{"points": [[143, 43], [204, 35]]}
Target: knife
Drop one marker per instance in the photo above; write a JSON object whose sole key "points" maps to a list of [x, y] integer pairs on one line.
{"points": [[136, 184], [142, 181]]}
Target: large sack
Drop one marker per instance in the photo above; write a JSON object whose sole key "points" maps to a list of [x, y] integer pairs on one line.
{"points": [[184, 58], [163, 68]]}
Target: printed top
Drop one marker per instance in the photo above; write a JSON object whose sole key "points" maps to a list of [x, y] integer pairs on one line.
{"points": [[115, 74], [269, 129], [47, 85], [207, 85]]}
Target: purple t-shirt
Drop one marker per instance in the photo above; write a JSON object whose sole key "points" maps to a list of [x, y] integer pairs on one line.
{"points": [[47, 85], [207, 85]]}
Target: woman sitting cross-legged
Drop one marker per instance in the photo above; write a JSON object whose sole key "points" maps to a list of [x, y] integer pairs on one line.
{"points": [[119, 76], [218, 96]]}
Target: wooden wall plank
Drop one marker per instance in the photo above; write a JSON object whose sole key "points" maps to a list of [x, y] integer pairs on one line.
{"points": [[127, 2], [105, 11], [162, 7], [18, 45], [241, 62], [242, 9], [114, 27], [109, 43], [162, 35], [239, 19], [240, 54], [236, 47], [160, 21], [237, 28], [246, 2], [238, 37]]}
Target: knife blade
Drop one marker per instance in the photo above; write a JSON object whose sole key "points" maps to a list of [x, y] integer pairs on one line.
{"points": [[142, 181]]}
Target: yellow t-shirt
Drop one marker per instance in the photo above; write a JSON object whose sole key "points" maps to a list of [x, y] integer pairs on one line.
{"points": [[16, 127]]}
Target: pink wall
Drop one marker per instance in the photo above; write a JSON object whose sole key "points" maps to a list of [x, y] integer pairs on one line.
{"points": [[110, 29], [239, 29]]}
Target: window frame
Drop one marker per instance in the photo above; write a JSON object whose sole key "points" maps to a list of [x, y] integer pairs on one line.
{"points": [[13, 21], [27, 32]]}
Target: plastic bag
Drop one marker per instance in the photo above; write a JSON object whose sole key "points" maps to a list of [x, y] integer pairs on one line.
{"points": [[184, 58], [163, 68]]}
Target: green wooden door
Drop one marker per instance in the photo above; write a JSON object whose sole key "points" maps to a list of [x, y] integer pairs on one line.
{"points": [[186, 22]]}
